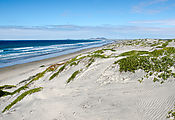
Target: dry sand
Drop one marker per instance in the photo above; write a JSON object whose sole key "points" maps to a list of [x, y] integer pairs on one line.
{"points": [[99, 92]]}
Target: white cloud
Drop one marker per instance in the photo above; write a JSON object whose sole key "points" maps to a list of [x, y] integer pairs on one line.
{"points": [[142, 7], [156, 22], [78, 32]]}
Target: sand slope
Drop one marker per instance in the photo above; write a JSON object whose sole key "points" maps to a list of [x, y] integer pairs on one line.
{"points": [[99, 92]]}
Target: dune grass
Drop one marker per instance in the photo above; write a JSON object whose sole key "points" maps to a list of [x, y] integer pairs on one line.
{"points": [[91, 60], [42, 66], [171, 113], [73, 76], [4, 93], [24, 87], [7, 87], [102, 51], [59, 71], [20, 89], [157, 63], [133, 52], [74, 63], [164, 44], [98, 56], [19, 98]]}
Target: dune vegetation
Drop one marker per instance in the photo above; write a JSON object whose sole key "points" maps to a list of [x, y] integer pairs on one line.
{"points": [[158, 63], [19, 98]]}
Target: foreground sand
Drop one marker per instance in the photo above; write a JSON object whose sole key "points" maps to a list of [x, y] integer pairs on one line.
{"points": [[99, 92]]}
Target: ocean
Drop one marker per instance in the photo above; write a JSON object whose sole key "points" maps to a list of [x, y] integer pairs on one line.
{"points": [[14, 52]]}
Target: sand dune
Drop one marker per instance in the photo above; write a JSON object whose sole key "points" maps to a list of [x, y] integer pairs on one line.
{"points": [[98, 92]]}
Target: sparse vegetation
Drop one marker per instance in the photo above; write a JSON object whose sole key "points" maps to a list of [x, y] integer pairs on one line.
{"points": [[53, 67], [19, 98], [171, 114], [74, 63], [157, 65], [157, 61], [91, 60], [102, 51], [7, 87], [42, 66], [133, 52], [164, 44], [19, 89], [24, 87], [59, 71], [4, 93], [73, 76]]}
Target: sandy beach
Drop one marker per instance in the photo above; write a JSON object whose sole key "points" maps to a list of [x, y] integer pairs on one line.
{"points": [[87, 85]]}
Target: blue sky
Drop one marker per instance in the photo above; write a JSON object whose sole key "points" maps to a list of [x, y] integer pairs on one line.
{"points": [[76, 19]]}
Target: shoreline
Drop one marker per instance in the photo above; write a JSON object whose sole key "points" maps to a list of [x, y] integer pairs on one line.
{"points": [[23, 57], [47, 61], [78, 87]]}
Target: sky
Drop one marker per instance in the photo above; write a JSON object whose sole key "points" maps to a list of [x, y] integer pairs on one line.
{"points": [[83, 19]]}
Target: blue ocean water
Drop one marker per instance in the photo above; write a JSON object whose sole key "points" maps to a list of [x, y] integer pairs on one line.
{"points": [[23, 51]]}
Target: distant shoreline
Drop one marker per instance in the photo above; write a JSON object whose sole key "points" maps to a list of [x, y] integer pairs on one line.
{"points": [[48, 61], [27, 52]]}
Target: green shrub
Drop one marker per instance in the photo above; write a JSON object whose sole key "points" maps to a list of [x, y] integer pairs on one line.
{"points": [[74, 63], [134, 52], [171, 114], [20, 89], [102, 51], [73, 76], [7, 87], [19, 98], [42, 66], [157, 61], [4, 93], [98, 56], [91, 60], [59, 71]]}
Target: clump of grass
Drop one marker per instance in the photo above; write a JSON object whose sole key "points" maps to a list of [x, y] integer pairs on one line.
{"points": [[165, 51], [74, 63], [109, 49], [7, 87], [102, 51], [82, 57], [165, 44], [52, 67], [36, 77], [72, 60], [42, 66], [171, 114], [40, 75], [73, 76], [91, 60], [19, 89], [134, 52], [141, 42], [158, 61], [24, 87], [59, 71], [4, 93], [141, 80], [133, 63], [98, 56], [99, 51], [19, 98]]}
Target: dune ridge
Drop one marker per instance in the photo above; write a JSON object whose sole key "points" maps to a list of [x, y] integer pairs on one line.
{"points": [[119, 81]]}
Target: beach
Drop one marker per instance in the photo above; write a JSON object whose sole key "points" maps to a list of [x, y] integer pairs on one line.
{"points": [[28, 67], [89, 85]]}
